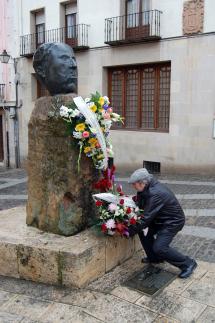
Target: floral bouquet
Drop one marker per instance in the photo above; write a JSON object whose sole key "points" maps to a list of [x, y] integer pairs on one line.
{"points": [[116, 210], [82, 128], [116, 213]]}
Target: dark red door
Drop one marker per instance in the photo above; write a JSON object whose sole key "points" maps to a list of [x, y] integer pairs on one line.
{"points": [[71, 30]]}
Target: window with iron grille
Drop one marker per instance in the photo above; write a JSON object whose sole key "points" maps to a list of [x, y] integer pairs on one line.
{"points": [[141, 94]]}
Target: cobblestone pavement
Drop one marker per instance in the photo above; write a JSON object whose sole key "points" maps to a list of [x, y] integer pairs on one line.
{"points": [[107, 300]]}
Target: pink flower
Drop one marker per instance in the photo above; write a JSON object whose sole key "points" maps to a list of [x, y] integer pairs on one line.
{"points": [[110, 224], [86, 134], [110, 110], [112, 207], [107, 116]]}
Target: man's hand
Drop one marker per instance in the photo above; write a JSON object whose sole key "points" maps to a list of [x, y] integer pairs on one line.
{"points": [[134, 229]]}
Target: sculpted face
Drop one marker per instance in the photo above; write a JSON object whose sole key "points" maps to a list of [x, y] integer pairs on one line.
{"points": [[56, 68]]}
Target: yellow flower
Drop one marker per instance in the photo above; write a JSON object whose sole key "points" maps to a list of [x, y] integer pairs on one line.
{"points": [[103, 129], [93, 142], [101, 101], [101, 156], [93, 108], [87, 150], [80, 127]]}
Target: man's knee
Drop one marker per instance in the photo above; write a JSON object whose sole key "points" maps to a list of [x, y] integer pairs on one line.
{"points": [[159, 249]]}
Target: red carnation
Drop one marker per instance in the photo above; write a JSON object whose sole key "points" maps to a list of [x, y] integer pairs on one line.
{"points": [[133, 221], [121, 202], [128, 210], [103, 227], [99, 203], [120, 227]]}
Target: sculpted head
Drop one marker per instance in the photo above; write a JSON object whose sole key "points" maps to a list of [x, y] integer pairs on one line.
{"points": [[56, 68]]}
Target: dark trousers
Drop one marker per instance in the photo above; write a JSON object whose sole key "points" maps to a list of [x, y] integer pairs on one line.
{"points": [[158, 248]]}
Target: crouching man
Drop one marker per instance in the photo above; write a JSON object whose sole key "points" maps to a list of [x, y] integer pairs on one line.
{"points": [[164, 218]]}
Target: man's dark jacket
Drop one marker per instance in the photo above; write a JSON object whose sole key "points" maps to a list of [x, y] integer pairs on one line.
{"points": [[161, 208]]}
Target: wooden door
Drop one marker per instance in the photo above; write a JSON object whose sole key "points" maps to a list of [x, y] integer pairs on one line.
{"points": [[71, 30], [137, 19]]}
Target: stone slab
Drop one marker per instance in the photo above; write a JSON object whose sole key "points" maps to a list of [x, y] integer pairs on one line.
{"points": [[179, 308], [31, 254]]}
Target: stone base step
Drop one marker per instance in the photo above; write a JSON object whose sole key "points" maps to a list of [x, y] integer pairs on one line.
{"points": [[31, 254]]}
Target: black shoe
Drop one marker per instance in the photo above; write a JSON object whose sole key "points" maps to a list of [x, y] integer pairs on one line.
{"points": [[146, 260], [185, 273]]}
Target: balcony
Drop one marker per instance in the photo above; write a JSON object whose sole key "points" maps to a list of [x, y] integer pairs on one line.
{"points": [[133, 28], [75, 36], [2, 92]]}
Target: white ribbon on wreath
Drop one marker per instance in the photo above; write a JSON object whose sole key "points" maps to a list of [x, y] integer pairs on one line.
{"points": [[93, 122]]}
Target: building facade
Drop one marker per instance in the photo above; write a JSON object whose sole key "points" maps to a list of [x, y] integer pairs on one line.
{"points": [[155, 59]]}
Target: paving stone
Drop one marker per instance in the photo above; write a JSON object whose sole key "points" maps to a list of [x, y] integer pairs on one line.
{"points": [[28, 307], [109, 308], [11, 318], [126, 294], [5, 296], [8, 204], [201, 221], [67, 313], [15, 189], [175, 306], [208, 316], [195, 247], [202, 290], [198, 204], [13, 173], [188, 189], [31, 289], [165, 319]]}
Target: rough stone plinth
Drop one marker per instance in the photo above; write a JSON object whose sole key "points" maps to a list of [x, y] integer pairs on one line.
{"points": [[59, 199], [29, 253]]}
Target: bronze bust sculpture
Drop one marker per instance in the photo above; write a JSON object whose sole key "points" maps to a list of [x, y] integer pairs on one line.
{"points": [[56, 68]]}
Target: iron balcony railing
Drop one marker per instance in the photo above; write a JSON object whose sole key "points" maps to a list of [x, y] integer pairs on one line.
{"points": [[136, 27], [2, 92], [75, 36]]}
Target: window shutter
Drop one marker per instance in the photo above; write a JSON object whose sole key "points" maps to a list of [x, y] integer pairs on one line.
{"points": [[71, 8], [39, 17]]}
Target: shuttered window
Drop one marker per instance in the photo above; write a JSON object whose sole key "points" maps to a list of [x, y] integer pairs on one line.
{"points": [[141, 94]]}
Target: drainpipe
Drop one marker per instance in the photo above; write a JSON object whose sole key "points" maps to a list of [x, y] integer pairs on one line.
{"points": [[16, 119]]}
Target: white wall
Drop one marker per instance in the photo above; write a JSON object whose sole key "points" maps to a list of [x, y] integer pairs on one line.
{"points": [[94, 12], [209, 21]]}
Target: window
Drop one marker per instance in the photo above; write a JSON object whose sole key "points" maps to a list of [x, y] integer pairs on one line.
{"points": [[142, 96], [40, 27], [71, 23]]}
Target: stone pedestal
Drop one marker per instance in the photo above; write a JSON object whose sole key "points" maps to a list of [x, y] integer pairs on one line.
{"points": [[59, 199], [29, 253]]}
